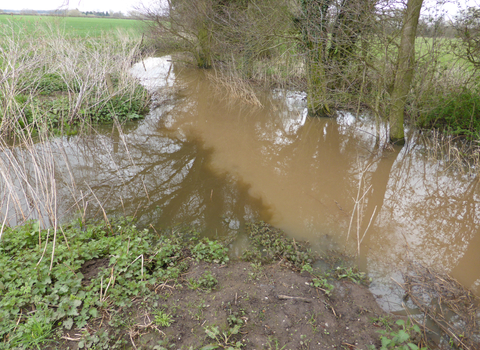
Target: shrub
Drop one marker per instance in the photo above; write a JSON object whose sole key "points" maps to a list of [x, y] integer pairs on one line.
{"points": [[455, 113]]}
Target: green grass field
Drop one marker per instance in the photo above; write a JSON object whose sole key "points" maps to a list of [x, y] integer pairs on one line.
{"points": [[75, 26]]}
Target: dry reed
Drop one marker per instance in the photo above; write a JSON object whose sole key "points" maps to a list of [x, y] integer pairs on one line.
{"points": [[32, 162], [456, 153], [446, 302]]}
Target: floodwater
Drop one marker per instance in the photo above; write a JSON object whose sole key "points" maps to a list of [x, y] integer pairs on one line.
{"points": [[204, 159]]}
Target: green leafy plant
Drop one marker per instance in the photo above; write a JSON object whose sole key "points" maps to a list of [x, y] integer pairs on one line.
{"points": [[401, 339], [210, 251], [223, 339], [206, 282], [456, 113], [323, 284], [133, 261], [320, 281], [162, 318], [34, 333], [352, 274], [270, 244]]}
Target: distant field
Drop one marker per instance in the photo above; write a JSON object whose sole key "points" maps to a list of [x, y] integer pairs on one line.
{"points": [[77, 26]]}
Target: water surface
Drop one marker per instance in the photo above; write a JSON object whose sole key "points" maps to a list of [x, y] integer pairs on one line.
{"points": [[204, 159]]}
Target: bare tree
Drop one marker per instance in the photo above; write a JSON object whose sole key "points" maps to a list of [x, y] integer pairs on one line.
{"points": [[467, 25]]}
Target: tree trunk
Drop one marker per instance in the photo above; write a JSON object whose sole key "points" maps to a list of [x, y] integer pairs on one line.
{"points": [[316, 84], [405, 70], [314, 38]]}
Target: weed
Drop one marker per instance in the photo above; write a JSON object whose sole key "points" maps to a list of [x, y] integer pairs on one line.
{"points": [[304, 342], [384, 321], [352, 274], [256, 271], [34, 333], [271, 244], [272, 344], [223, 339], [206, 282], [27, 282], [163, 318], [320, 281], [210, 251], [456, 113], [99, 340], [401, 339], [313, 322]]}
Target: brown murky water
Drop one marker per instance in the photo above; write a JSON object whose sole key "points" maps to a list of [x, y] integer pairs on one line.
{"points": [[215, 163]]}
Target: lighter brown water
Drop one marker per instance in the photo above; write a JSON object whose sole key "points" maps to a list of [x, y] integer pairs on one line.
{"points": [[202, 159]]}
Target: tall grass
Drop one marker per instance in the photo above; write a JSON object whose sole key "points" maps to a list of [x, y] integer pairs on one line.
{"points": [[80, 68], [49, 82]]}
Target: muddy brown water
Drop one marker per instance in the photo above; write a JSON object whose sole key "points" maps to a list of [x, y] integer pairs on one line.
{"points": [[207, 160]]}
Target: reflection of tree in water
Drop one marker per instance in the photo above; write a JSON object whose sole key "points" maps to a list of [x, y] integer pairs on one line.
{"points": [[162, 181], [431, 212], [429, 215]]}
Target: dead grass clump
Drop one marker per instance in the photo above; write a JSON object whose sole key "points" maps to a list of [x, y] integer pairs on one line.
{"points": [[459, 154], [233, 86], [447, 303]]}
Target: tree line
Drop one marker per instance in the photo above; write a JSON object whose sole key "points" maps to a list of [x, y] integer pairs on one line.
{"points": [[374, 55]]}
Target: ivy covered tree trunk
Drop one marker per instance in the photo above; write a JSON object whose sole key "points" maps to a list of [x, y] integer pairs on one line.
{"points": [[204, 52], [313, 26], [405, 70], [352, 20], [317, 104]]}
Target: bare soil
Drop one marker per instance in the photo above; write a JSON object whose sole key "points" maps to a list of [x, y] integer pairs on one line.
{"points": [[275, 307]]}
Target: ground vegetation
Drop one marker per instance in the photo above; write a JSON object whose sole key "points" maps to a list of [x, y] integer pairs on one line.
{"points": [[113, 285]]}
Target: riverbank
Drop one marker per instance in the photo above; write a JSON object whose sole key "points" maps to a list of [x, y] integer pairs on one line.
{"points": [[115, 286]]}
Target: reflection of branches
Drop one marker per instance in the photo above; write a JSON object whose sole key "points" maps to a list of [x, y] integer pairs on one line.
{"points": [[359, 203]]}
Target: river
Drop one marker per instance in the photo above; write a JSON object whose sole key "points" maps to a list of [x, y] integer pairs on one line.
{"points": [[204, 159]]}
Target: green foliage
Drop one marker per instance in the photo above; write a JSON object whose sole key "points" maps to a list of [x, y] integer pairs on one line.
{"points": [[34, 333], [50, 83], [56, 112], [162, 318], [98, 340], [223, 339], [320, 280], [206, 282], [455, 113], [210, 251], [323, 284], [352, 274], [60, 296], [271, 244], [401, 339]]}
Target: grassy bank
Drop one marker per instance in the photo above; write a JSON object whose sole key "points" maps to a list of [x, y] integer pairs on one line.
{"points": [[54, 78], [112, 285]]}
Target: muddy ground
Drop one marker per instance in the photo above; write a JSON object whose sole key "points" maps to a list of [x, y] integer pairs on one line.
{"points": [[250, 307]]}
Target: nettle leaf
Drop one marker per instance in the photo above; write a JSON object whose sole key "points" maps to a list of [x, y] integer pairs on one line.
{"points": [[385, 342], [402, 336], [68, 323], [93, 311]]}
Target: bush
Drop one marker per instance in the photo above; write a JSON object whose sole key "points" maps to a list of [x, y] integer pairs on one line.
{"points": [[455, 113]]}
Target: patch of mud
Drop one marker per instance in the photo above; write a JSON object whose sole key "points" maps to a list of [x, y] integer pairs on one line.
{"points": [[91, 268], [276, 308]]}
